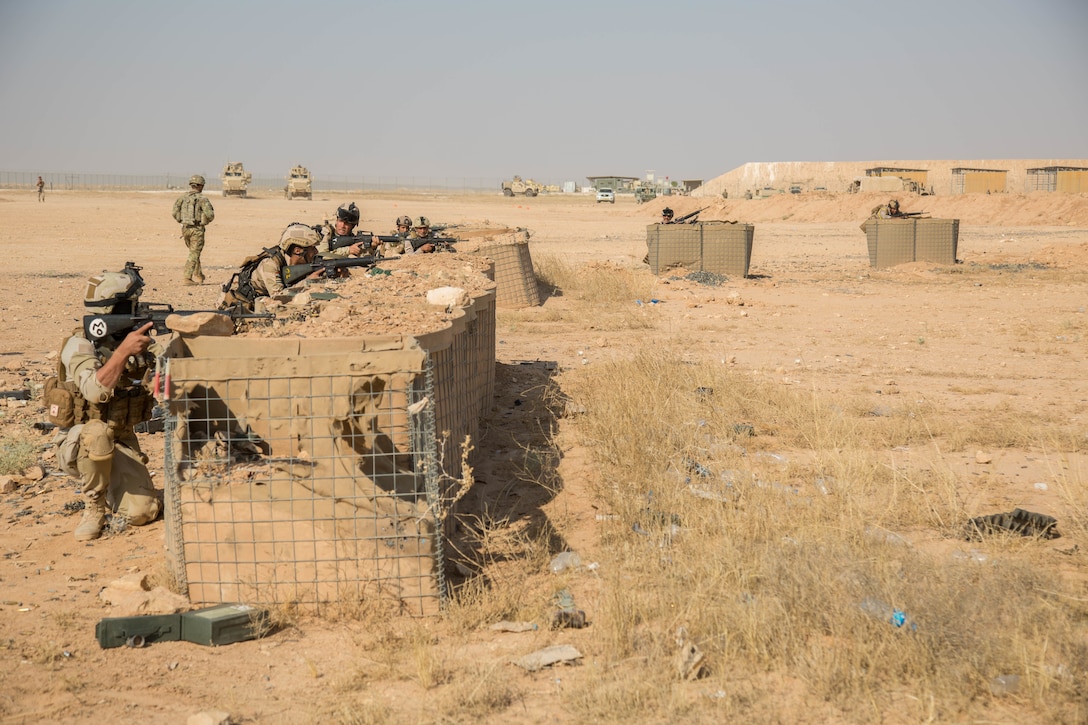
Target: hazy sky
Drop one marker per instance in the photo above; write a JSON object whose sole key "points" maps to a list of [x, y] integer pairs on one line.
{"points": [[551, 89]]}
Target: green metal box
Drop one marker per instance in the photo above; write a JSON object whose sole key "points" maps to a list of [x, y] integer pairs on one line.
{"points": [[138, 631], [223, 624]]}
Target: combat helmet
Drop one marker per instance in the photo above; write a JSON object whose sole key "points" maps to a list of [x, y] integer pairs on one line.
{"points": [[348, 213], [111, 289], [893, 205], [299, 235], [667, 212], [423, 222], [196, 180], [404, 221]]}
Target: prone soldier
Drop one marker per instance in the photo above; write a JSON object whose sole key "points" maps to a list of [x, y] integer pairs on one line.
{"points": [[262, 275], [347, 218]]}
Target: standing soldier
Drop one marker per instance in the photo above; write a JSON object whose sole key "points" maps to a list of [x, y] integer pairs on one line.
{"points": [[194, 212], [41, 189]]}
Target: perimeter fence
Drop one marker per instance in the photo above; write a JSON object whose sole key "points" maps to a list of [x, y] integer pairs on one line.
{"points": [[261, 183]]}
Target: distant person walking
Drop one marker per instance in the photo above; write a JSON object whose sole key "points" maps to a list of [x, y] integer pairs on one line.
{"points": [[41, 189], [193, 212]]}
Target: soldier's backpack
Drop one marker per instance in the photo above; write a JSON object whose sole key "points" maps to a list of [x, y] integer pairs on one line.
{"points": [[239, 288]]}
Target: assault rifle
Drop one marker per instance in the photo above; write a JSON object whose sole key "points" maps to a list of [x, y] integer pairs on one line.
{"points": [[340, 241], [693, 216], [907, 214], [295, 273], [98, 327], [441, 244]]}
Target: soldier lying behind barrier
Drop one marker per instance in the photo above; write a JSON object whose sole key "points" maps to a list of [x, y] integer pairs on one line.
{"points": [[423, 241], [347, 218], [262, 275]]}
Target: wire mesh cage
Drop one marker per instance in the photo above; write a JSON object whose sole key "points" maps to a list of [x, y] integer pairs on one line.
{"points": [[515, 279], [714, 246], [310, 481], [897, 241]]}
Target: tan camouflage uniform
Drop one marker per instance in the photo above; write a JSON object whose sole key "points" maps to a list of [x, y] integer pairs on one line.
{"points": [[267, 279], [415, 240], [102, 449], [328, 232], [194, 212]]}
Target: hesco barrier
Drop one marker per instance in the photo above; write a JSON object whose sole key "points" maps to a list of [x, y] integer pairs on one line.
{"points": [[319, 474], [515, 280], [719, 247], [897, 241]]}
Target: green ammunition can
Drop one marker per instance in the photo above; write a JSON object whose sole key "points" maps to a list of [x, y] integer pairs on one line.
{"points": [[224, 624]]}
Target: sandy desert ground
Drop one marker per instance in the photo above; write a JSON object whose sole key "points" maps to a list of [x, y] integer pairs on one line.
{"points": [[1005, 329]]}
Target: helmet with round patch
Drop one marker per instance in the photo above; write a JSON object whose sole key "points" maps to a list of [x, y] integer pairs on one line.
{"points": [[404, 221], [196, 180], [348, 213], [109, 289], [298, 235]]}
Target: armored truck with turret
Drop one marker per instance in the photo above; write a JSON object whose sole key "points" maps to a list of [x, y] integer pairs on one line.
{"points": [[528, 187], [235, 179], [299, 184]]}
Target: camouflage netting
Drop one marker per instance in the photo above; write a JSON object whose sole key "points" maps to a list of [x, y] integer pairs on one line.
{"points": [[313, 461]]}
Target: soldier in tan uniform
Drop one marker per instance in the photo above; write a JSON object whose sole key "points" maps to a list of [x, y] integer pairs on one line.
{"points": [[262, 275], [389, 248], [107, 387], [886, 211], [347, 218], [418, 242], [193, 212]]}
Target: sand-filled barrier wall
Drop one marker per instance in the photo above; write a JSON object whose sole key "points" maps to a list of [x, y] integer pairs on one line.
{"points": [[318, 472], [719, 247]]}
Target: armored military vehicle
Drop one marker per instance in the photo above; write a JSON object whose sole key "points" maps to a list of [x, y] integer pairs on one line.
{"points": [[299, 184], [235, 179], [528, 187], [645, 192]]}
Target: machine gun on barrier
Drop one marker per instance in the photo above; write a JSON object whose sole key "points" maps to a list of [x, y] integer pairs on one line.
{"points": [[690, 218], [295, 273], [98, 327], [908, 215]]}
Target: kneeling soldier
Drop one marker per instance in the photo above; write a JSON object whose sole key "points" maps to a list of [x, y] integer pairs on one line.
{"points": [[105, 385]]}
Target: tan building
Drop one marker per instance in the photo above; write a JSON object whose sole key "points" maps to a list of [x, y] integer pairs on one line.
{"points": [[979, 181], [918, 176], [1069, 179]]}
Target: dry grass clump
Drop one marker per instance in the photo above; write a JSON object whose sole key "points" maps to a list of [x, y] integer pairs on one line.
{"points": [[774, 529], [597, 283], [16, 455]]}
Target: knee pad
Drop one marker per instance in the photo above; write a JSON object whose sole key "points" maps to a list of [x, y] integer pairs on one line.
{"points": [[97, 440]]}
